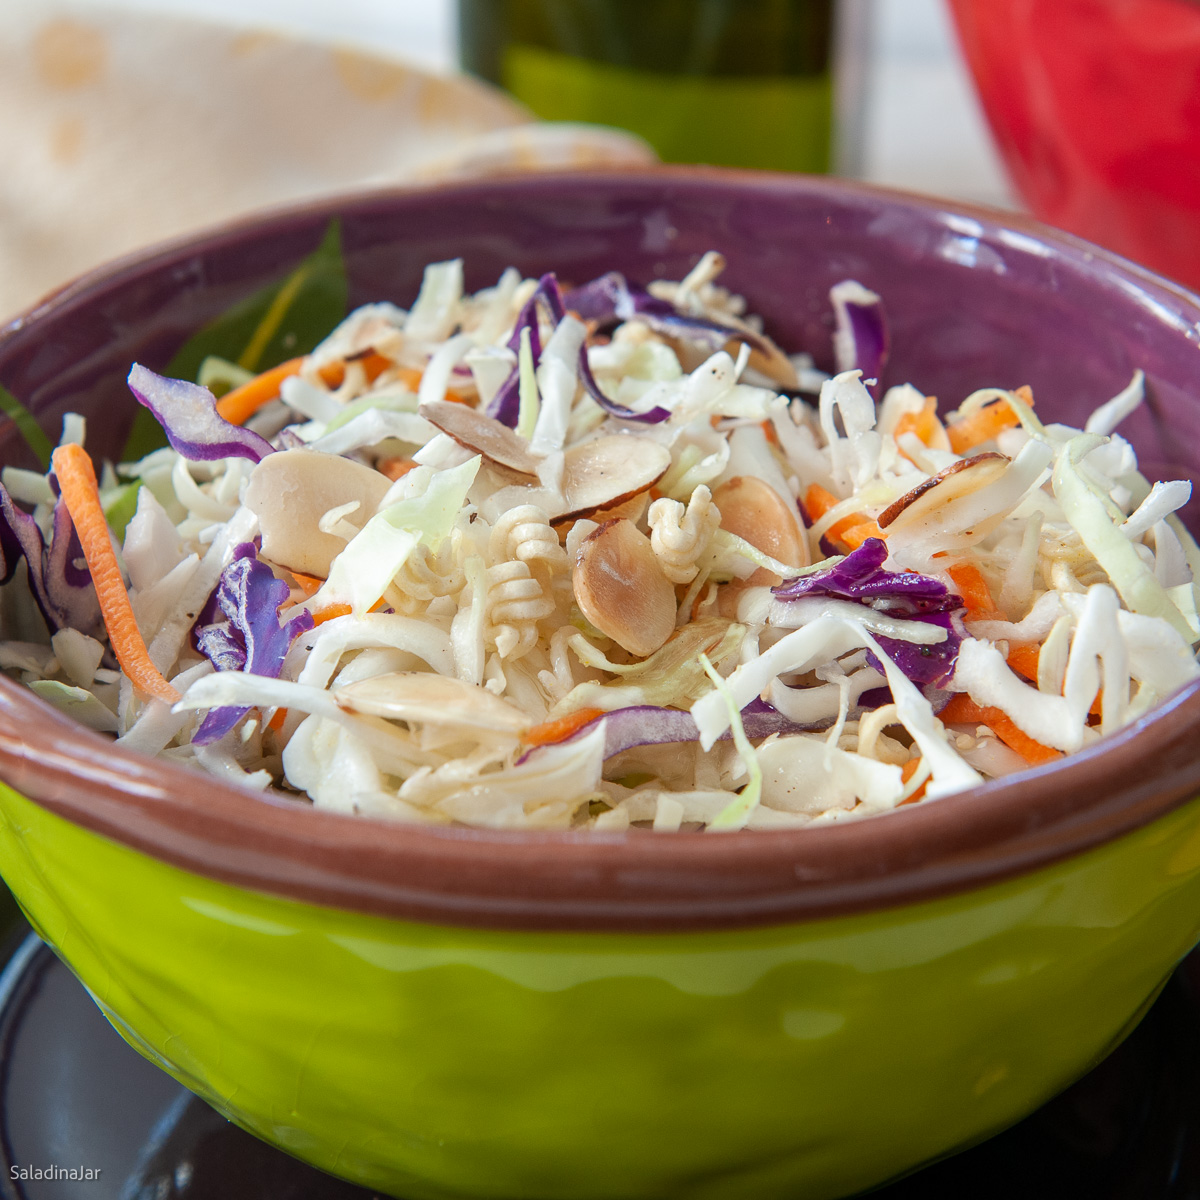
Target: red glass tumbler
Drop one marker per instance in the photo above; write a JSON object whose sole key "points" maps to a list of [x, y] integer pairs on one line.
{"points": [[1095, 105]]}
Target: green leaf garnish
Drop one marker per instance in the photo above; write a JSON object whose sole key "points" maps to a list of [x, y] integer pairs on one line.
{"points": [[27, 427], [119, 512]]}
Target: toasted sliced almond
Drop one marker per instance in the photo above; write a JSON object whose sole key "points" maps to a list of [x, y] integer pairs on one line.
{"points": [[481, 434], [621, 589], [633, 509], [757, 513], [292, 490], [610, 470], [433, 700], [958, 479]]}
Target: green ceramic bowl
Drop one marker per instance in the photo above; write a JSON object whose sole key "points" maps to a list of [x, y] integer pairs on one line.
{"points": [[452, 1013]]}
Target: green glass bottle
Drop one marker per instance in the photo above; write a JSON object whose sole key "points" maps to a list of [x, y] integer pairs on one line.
{"points": [[744, 83]]}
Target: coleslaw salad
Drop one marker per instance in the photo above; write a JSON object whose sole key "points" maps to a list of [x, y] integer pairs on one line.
{"points": [[597, 558]]}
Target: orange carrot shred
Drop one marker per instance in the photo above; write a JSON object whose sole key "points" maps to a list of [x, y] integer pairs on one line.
{"points": [[333, 374], [559, 730], [855, 535], [924, 424], [973, 588], [981, 426], [410, 377], [1023, 658], [375, 364], [327, 614], [395, 467], [963, 711], [817, 502], [906, 773], [310, 585], [239, 405], [852, 531], [77, 479], [276, 722]]}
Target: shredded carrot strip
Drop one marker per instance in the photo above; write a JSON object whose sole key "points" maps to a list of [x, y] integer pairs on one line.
{"points": [[924, 424], [969, 581], [410, 377], [768, 428], [963, 711], [1023, 658], [239, 405], [328, 614], [334, 374], [395, 468], [77, 479], [986, 423], [817, 502], [851, 531], [981, 426], [276, 722], [375, 364], [559, 730], [309, 584], [906, 773], [855, 535]]}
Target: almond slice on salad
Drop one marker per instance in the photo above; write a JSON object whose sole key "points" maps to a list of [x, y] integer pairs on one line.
{"points": [[958, 479], [481, 434], [621, 589], [432, 700], [757, 513], [633, 509], [608, 471], [291, 490]]}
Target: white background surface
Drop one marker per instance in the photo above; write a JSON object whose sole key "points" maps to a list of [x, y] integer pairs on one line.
{"points": [[922, 128]]}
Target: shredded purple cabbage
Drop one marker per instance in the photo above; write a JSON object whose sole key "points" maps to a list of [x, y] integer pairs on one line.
{"points": [[20, 538], [650, 417], [610, 299], [67, 580], [188, 414], [61, 588], [877, 697], [506, 404], [250, 639], [649, 725], [924, 664], [860, 341], [860, 577]]}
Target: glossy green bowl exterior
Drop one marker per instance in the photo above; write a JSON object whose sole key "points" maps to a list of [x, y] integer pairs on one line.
{"points": [[803, 1060]]}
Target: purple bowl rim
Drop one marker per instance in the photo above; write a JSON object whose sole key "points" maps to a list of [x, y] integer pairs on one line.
{"points": [[636, 881]]}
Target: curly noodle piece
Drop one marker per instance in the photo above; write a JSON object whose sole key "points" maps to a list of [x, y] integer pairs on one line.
{"points": [[524, 533], [516, 601], [560, 679], [679, 537], [424, 578]]}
